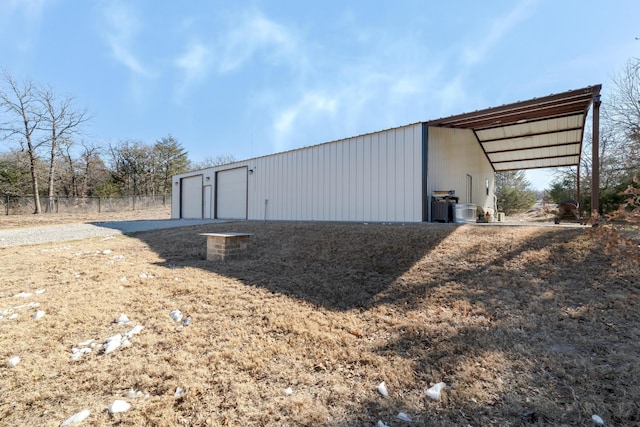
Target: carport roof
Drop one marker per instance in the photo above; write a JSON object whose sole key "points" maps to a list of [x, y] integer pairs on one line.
{"points": [[538, 133]]}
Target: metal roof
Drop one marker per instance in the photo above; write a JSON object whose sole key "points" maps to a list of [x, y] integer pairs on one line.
{"points": [[538, 133]]}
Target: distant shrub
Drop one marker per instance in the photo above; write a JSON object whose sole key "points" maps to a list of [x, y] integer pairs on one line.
{"points": [[620, 231]]}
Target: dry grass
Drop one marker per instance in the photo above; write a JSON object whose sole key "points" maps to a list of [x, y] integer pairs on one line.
{"points": [[528, 326]]}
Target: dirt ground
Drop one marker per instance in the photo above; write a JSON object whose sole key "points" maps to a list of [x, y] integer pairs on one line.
{"points": [[526, 325]]}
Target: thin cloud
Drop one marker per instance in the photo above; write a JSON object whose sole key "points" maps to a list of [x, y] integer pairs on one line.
{"points": [[122, 27], [376, 88], [450, 94], [311, 105], [22, 18], [194, 64], [385, 79], [194, 61], [255, 33], [415, 80], [361, 99], [500, 27]]}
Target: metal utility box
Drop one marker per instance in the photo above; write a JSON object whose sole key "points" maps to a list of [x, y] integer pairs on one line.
{"points": [[442, 203]]}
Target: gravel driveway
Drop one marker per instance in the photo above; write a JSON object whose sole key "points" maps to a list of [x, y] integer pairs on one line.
{"points": [[66, 232]]}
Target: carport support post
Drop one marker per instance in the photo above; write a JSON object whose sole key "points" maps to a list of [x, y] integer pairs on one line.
{"points": [[595, 161], [578, 188]]}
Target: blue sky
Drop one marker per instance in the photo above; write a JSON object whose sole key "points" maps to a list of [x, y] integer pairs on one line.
{"points": [[252, 78]]}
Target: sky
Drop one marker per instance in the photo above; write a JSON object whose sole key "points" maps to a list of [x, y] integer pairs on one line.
{"points": [[251, 78]]}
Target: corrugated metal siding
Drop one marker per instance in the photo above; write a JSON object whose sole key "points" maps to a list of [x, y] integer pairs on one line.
{"points": [[544, 143], [523, 142], [552, 125], [375, 177], [454, 154], [208, 190]]}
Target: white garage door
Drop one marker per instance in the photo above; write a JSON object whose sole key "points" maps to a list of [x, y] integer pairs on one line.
{"points": [[231, 194], [191, 197]]}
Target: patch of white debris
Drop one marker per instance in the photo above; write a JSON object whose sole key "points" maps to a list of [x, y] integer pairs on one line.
{"points": [[119, 406], [109, 345], [11, 313], [76, 418], [13, 361]]}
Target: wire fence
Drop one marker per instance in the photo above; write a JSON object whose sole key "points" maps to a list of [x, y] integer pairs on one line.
{"points": [[24, 205]]}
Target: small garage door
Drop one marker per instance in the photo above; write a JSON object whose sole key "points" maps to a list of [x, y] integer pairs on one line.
{"points": [[231, 194], [191, 197]]}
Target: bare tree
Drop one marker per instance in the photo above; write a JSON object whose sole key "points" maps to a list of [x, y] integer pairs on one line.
{"points": [[69, 174], [623, 113], [60, 120], [20, 103], [132, 166], [81, 176], [208, 162], [94, 171]]}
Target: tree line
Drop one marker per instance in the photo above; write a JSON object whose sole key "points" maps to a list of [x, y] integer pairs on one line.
{"points": [[43, 152], [619, 156]]}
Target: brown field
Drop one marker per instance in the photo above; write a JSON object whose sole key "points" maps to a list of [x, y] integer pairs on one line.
{"points": [[526, 325]]}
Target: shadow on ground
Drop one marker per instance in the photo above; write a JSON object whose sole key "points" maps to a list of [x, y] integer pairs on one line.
{"points": [[340, 266], [536, 331], [136, 226], [558, 337]]}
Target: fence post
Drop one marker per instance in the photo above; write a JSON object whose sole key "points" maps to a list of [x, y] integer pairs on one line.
{"points": [[99, 204], [6, 197]]}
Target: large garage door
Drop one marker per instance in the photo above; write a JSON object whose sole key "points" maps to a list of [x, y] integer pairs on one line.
{"points": [[231, 194], [191, 197]]}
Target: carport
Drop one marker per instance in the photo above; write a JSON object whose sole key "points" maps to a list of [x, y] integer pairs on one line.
{"points": [[542, 132]]}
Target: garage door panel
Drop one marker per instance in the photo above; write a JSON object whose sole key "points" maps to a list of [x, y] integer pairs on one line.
{"points": [[191, 197], [231, 194]]}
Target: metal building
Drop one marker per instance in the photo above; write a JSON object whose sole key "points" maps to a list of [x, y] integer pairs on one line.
{"points": [[392, 175]]}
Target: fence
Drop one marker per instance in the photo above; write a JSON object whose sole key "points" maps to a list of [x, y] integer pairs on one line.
{"points": [[22, 205]]}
